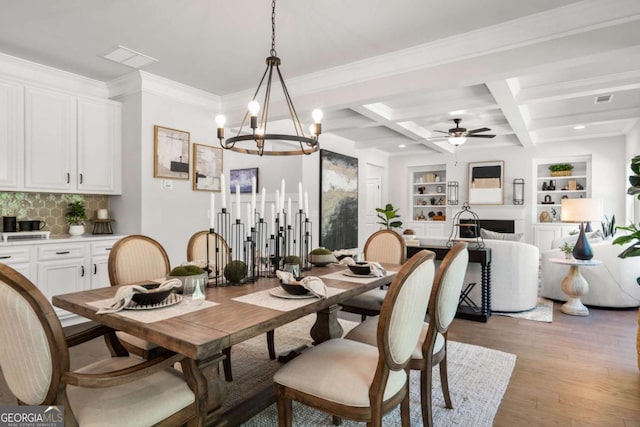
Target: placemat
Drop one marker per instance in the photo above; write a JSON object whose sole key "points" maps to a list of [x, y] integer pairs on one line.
{"points": [[340, 276], [156, 315], [265, 299]]}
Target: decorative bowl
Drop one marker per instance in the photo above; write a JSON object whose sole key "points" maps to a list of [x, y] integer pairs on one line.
{"points": [[360, 268], [320, 260], [154, 296], [294, 288]]}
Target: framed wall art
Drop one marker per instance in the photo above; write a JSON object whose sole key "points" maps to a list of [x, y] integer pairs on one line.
{"points": [[171, 153], [207, 167], [338, 200], [242, 177], [486, 183]]}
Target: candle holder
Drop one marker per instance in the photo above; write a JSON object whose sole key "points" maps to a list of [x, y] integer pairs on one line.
{"points": [[306, 245], [249, 252], [262, 241]]}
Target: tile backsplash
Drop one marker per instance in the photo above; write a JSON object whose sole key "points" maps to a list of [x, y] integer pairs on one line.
{"points": [[49, 208]]}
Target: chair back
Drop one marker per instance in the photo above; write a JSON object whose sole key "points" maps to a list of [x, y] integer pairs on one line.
{"points": [[137, 258], [403, 309], [219, 254], [385, 246], [33, 353]]}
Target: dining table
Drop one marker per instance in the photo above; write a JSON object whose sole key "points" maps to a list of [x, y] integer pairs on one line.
{"points": [[229, 315]]}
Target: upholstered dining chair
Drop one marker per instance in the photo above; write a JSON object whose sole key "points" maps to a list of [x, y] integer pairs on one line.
{"points": [[432, 347], [358, 381], [35, 362], [197, 250], [382, 246], [137, 258]]}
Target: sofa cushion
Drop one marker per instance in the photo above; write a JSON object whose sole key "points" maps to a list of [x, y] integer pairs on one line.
{"points": [[494, 235]]}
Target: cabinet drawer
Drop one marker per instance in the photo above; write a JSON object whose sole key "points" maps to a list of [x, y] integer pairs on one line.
{"points": [[14, 255], [102, 248], [65, 251]]}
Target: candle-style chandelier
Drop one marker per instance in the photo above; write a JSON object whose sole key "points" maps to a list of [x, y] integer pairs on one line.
{"points": [[259, 134]]}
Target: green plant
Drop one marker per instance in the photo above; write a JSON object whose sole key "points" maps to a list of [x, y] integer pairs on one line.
{"points": [[186, 270], [608, 227], [386, 216], [634, 179], [634, 234], [292, 259], [235, 271], [77, 213], [560, 167], [566, 248], [320, 251]]}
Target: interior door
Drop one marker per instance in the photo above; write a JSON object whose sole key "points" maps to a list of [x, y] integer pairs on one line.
{"points": [[372, 201]]}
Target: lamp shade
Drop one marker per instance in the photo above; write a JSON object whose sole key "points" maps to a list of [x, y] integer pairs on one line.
{"points": [[581, 210]]}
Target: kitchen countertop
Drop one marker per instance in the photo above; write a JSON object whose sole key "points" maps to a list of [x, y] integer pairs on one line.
{"points": [[64, 238]]}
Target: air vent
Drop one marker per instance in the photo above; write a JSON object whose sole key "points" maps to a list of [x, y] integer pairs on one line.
{"points": [[124, 55], [603, 99]]}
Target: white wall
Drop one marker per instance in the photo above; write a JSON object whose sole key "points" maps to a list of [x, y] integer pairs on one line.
{"points": [[608, 175]]}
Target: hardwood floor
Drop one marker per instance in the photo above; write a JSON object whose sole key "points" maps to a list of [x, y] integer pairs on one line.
{"points": [[576, 371]]}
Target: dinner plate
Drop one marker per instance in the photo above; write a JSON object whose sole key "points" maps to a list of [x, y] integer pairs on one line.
{"points": [[351, 274], [172, 299], [281, 293]]}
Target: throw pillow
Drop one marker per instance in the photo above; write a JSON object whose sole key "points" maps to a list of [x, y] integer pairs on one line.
{"points": [[494, 235]]}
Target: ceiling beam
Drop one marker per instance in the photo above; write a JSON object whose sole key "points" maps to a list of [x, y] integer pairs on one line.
{"points": [[579, 119], [504, 92]]}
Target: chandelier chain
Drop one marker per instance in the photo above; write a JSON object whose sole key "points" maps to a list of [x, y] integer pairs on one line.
{"points": [[273, 28]]}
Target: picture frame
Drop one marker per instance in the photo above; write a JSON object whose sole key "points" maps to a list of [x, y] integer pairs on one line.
{"points": [[243, 178], [207, 167], [338, 200], [171, 153], [486, 183]]}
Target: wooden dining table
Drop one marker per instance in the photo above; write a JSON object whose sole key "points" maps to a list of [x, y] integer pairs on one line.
{"points": [[228, 316]]}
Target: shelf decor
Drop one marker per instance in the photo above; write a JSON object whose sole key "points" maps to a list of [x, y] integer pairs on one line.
{"points": [[561, 169], [466, 231]]}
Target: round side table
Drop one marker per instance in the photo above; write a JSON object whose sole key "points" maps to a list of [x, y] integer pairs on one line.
{"points": [[574, 285]]}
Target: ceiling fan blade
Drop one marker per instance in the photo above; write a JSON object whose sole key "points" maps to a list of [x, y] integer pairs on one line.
{"points": [[478, 130], [480, 136], [441, 131]]}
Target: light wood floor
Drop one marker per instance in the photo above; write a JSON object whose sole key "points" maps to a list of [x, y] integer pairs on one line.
{"points": [[576, 371]]}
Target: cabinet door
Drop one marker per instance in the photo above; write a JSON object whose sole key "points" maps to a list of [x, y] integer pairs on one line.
{"points": [[543, 236], [11, 136], [62, 277], [50, 140], [99, 146], [18, 258], [100, 273], [435, 228]]}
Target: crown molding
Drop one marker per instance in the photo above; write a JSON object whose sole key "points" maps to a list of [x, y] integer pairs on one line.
{"points": [[34, 74]]}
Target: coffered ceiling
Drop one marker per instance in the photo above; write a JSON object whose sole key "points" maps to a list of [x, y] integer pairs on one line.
{"points": [[387, 74]]}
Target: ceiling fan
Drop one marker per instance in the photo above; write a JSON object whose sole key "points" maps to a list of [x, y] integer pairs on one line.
{"points": [[458, 135]]}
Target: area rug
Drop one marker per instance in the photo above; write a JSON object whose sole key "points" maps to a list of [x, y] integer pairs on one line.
{"points": [[542, 312], [478, 378]]}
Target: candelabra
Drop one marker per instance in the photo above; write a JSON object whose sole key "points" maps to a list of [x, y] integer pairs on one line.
{"points": [[262, 248]]}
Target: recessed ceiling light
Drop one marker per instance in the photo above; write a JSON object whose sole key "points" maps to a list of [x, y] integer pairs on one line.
{"points": [[402, 146], [456, 112], [131, 58], [578, 127]]}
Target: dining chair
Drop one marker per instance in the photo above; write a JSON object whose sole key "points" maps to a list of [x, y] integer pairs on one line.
{"points": [[385, 246], [432, 347], [35, 362], [218, 259], [358, 381], [137, 258]]}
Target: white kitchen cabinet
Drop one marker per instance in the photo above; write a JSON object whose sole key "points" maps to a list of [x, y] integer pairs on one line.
{"points": [[50, 140], [11, 135], [100, 264], [18, 258]]}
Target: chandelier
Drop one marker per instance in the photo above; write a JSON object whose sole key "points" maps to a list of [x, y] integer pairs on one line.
{"points": [[258, 133]]}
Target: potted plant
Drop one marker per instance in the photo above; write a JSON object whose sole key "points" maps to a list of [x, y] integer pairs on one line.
{"points": [[561, 169], [387, 217], [76, 216], [567, 249]]}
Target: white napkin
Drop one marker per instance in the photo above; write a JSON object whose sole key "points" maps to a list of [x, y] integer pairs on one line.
{"points": [[376, 269], [313, 284], [347, 261], [125, 294], [344, 252]]}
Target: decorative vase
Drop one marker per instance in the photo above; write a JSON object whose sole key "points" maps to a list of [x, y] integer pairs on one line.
{"points": [[76, 230]]}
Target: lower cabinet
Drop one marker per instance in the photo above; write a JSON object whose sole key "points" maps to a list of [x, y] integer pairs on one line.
{"points": [[544, 235]]}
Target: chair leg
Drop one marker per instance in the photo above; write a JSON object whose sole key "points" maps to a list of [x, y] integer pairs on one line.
{"points": [[285, 411], [405, 416], [226, 364], [114, 345], [444, 380], [425, 396], [363, 317], [271, 344], [336, 420]]}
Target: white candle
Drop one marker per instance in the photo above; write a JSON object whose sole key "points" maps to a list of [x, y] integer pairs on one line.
{"points": [[273, 219], [306, 203], [282, 194], [299, 196], [223, 191], [262, 197], [249, 222], [212, 211], [289, 206], [238, 201], [277, 200], [253, 194]]}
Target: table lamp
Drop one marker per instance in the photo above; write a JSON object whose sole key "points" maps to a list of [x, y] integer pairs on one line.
{"points": [[581, 210]]}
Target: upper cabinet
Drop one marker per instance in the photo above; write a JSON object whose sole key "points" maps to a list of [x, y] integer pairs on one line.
{"points": [[71, 143], [11, 135]]}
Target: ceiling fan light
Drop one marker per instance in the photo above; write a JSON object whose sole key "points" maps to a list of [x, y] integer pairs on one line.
{"points": [[457, 140]]}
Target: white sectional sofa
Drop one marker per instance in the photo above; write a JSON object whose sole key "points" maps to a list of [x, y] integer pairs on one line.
{"points": [[514, 274], [612, 284]]}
